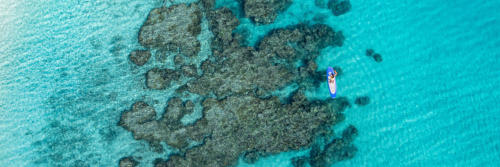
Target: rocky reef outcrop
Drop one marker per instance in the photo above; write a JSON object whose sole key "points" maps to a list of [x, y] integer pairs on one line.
{"points": [[264, 11], [173, 29]]}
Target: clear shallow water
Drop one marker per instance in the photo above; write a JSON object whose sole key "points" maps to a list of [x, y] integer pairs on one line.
{"points": [[65, 78], [434, 97]]}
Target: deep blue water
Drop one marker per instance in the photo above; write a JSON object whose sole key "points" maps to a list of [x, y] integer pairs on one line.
{"points": [[65, 78]]}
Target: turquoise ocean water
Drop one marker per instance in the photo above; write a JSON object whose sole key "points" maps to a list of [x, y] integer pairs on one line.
{"points": [[434, 99]]}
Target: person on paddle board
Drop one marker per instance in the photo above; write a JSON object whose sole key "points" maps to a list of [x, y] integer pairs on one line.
{"points": [[331, 77], [332, 86]]}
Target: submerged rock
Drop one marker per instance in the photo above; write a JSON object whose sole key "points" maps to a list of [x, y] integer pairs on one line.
{"points": [[139, 57], [362, 101], [377, 57], [350, 133], [157, 78], [370, 52], [264, 11], [173, 29], [127, 162], [339, 7]]}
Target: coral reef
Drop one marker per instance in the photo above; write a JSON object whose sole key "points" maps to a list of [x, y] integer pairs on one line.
{"points": [[127, 162], [264, 11], [173, 29], [240, 115], [141, 121], [231, 127], [139, 57], [246, 124], [339, 7], [362, 101]]}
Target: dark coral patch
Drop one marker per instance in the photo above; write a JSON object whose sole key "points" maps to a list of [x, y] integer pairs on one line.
{"points": [[369, 52], [339, 7], [299, 161], [377, 57], [362, 100]]}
